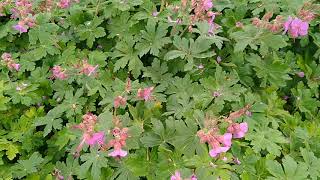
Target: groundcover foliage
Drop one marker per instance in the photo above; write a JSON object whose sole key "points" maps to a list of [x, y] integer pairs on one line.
{"points": [[159, 89]]}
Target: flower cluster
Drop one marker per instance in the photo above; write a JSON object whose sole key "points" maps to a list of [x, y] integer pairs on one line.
{"points": [[142, 94], [296, 27], [218, 143], [222, 143], [265, 23], [119, 101], [177, 176], [2, 5], [58, 73], [202, 11], [84, 68], [88, 69], [23, 11], [9, 62], [145, 94], [89, 136], [64, 4], [119, 141], [307, 12]]}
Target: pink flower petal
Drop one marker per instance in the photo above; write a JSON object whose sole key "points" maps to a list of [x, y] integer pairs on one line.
{"points": [[96, 138], [216, 151], [118, 153], [226, 139], [176, 176]]}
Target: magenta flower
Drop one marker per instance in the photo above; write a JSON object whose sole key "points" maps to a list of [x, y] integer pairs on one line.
{"points": [[64, 4], [145, 93], [214, 152], [118, 153], [176, 176], [193, 177], [20, 28], [207, 4], [15, 66], [238, 130], [226, 139], [96, 138], [296, 27]]}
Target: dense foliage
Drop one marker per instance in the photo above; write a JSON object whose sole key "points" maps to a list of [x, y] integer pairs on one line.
{"points": [[159, 89]]}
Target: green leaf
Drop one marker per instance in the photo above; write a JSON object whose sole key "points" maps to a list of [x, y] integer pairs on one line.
{"points": [[29, 166], [128, 56], [265, 138], [51, 120], [189, 50], [313, 163], [270, 69], [69, 168], [186, 140], [255, 37], [96, 160], [153, 39], [90, 31], [291, 169], [12, 151]]}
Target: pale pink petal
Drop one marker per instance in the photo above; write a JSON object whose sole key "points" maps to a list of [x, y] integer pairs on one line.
{"points": [[16, 66], [304, 26], [118, 153], [216, 151], [20, 28], [207, 4], [286, 25], [176, 176], [226, 139]]}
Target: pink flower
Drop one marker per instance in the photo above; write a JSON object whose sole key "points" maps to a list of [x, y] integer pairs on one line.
{"points": [[296, 27], [14, 66], [119, 101], [118, 153], [6, 56], [155, 13], [64, 4], [21, 28], [96, 138], [58, 73], [214, 152], [238, 130], [207, 4], [300, 74], [176, 176], [226, 139], [286, 24], [236, 161], [239, 24], [88, 69], [145, 93]]}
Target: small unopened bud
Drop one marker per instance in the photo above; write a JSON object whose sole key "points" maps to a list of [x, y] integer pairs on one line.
{"points": [[300, 74], [219, 59]]}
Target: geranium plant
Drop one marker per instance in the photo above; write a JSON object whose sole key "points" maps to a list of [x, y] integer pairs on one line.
{"points": [[159, 89]]}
